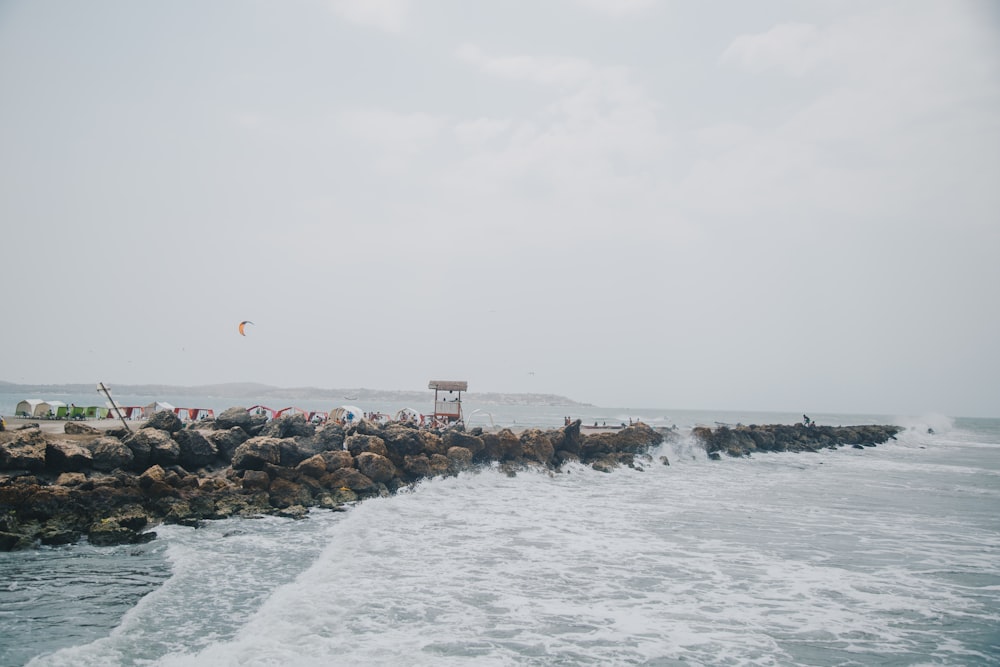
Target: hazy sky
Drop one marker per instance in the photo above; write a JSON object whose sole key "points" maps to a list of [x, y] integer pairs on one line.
{"points": [[746, 205]]}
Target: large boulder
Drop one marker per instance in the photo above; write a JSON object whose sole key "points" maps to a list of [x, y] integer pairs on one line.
{"points": [[537, 446], [376, 467], [256, 453], [459, 439], [196, 451], [67, 456], [285, 493], [348, 478], [289, 426], [164, 420], [26, 451], [234, 418], [142, 442], [76, 428], [228, 440], [356, 444], [111, 454], [329, 437], [401, 441]]}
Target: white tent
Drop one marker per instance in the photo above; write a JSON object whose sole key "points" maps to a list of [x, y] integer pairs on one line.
{"points": [[48, 408], [155, 406], [410, 416], [347, 415], [26, 408]]}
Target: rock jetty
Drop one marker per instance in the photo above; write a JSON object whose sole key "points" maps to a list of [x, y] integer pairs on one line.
{"points": [[111, 486], [745, 440]]}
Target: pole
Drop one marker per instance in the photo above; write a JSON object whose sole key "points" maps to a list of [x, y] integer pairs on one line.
{"points": [[101, 387]]}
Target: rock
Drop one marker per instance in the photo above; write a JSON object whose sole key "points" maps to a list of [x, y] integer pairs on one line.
{"points": [[537, 446], [289, 426], [227, 441], [234, 418], [26, 451], [285, 493], [460, 458], [376, 467], [164, 421], [76, 428], [472, 443], [348, 478], [164, 450], [256, 480], [329, 437], [141, 443], [109, 532], [196, 451], [356, 444], [71, 479], [257, 452], [67, 456], [314, 466], [111, 454]]}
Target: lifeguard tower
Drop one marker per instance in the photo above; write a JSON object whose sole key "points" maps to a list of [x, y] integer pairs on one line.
{"points": [[448, 406]]}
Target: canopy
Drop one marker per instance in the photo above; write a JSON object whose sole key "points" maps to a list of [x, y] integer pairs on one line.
{"points": [[46, 408], [347, 415], [156, 406], [26, 408], [409, 415]]}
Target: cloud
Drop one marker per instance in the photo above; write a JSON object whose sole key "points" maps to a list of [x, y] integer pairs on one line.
{"points": [[595, 136], [387, 15], [618, 7], [400, 134], [547, 70], [792, 47]]}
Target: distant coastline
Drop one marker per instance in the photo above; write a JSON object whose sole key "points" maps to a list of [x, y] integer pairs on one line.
{"points": [[253, 390]]}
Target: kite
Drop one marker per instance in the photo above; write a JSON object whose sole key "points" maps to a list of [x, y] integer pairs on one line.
{"points": [[242, 325]]}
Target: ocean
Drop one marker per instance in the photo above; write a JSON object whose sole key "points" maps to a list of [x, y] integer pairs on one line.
{"points": [[887, 555]]}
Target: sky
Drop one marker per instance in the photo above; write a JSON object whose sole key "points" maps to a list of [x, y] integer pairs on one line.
{"points": [[695, 205]]}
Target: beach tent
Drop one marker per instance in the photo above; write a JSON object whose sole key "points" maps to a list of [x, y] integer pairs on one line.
{"points": [[77, 412], [95, 412], [155, 406], [131, 411], [47, 408], [261, 410], [288, 412], [409, 416], [347, 415], [26, 408], [194, 414]]}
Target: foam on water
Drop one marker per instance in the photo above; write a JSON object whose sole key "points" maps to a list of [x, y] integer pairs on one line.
{"points": [[888, 555]]}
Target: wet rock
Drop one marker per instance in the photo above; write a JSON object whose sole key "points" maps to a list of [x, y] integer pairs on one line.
{"points": [[376, 467], [256, 480]]}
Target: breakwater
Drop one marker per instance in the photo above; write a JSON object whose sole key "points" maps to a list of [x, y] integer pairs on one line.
{"points": [[112, 486]]}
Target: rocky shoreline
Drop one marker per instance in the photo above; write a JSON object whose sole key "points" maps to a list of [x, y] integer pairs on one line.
{"points": [[112, 486]]}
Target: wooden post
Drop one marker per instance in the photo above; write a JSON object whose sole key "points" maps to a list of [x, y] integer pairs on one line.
{"points": [[101, 387]]}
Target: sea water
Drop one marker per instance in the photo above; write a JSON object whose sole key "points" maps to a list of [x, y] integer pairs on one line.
{"points": [[887, 555]]}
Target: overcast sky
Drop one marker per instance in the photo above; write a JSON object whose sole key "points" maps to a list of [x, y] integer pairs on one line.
{"points": [[745, 205]]}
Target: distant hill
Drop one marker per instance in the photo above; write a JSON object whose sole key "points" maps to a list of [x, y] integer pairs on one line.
{"points": [[257, 391]]}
